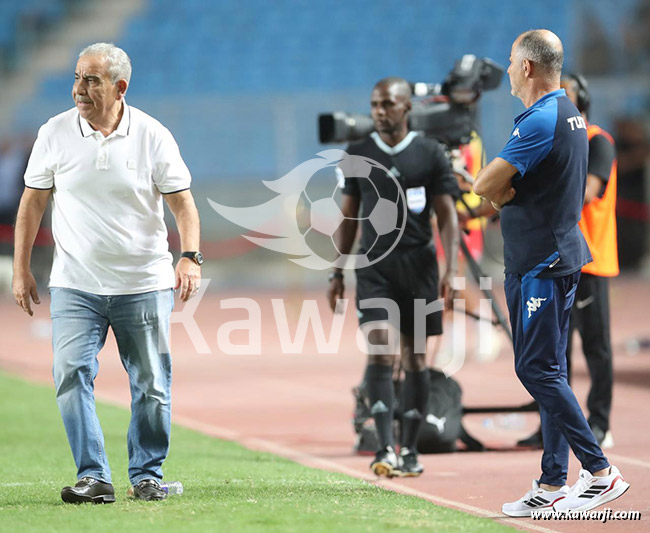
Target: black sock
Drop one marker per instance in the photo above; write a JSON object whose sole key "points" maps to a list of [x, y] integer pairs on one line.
{"points": [[379, 380], [415, 396]]}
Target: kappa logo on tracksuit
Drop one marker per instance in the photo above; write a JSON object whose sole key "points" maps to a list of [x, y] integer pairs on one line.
{"points": [[534, 304]]}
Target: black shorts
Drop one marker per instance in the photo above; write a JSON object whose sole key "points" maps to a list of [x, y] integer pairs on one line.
{"points": [[404, 276]]}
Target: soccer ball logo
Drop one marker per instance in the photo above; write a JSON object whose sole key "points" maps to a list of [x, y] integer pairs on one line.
{"points": [[305, 215]]}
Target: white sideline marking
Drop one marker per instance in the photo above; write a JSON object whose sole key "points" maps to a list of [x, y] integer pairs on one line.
{"points": [[627, 460], [209, 429], [325, 464]]}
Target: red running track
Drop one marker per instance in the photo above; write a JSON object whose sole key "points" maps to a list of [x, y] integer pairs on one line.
{"points": [[299, 405]]}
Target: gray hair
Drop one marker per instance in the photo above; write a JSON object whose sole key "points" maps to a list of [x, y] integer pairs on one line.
{"points": [[119, 64], [535, 46]]}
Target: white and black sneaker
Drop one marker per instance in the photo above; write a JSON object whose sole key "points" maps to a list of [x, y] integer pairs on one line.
{"points": [[409, 465], [386, 463], [591, 491], [536, 499], [607, 442], [604, 438]]}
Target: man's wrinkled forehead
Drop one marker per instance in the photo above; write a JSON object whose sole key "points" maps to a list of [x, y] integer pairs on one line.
{"points": [[87, 65]]}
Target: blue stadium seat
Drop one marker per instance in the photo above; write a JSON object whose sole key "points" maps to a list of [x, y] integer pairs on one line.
{"points": [[182, 51]]}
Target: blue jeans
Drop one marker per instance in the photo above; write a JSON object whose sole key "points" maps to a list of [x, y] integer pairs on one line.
{"points": [[140, 322]]}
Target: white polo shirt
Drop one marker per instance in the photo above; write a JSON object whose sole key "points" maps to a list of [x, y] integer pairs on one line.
{"points": [[107, 209]]}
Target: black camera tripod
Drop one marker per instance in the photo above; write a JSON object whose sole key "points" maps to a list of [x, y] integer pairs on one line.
{"points": [[498, 320]]}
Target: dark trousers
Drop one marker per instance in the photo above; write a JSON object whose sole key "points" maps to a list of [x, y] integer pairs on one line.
{"points": [[590, 316], [539, 315]]}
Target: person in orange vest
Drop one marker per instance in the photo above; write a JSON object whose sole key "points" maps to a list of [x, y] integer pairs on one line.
{"points": [[590, 314]]}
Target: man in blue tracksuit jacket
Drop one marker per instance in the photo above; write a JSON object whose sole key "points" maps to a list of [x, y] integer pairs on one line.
{"points": [[538, 182]]}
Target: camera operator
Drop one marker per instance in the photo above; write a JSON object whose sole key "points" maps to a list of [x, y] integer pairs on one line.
{"points": [[409, 272], [590, 314]]}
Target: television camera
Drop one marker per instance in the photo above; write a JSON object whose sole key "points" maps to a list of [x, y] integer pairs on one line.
{"points": [[444, 111]]}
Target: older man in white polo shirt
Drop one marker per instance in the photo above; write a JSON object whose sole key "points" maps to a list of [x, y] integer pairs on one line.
{"points": [[107, 166]]}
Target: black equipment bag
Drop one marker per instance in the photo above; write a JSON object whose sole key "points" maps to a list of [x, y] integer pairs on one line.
{"points": [[442, 426], [443, 421]]}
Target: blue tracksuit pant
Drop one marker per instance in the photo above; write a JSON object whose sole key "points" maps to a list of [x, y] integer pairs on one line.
{"points": [[540, 309]]}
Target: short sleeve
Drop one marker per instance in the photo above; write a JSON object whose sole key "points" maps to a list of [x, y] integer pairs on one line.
{"points": [[39, 173], [443, 179], [170, 173], [601, 157], [351, 187], [530, 141], [348, 185]]}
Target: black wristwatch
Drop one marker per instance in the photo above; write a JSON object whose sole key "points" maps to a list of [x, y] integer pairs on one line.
{"points": [[334, 275], [197, 257]]}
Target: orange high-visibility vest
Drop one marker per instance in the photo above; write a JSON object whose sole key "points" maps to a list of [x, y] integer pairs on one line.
{"points": [[598, 223]]}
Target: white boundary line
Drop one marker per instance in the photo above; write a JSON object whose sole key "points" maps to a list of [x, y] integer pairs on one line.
{"points": [[627, 460], [325, 464]]}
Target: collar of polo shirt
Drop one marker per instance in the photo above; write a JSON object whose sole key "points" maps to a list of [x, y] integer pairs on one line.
{"points": [[108, 214], [123, 127]]}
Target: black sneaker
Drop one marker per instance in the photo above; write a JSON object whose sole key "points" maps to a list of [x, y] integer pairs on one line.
{"points": [[89, 490], [385, 463], [535, 441], [409, 464], [149, 490]]}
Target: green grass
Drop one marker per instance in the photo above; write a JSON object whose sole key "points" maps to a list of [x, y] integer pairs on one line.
{"points": [[227, 487]]}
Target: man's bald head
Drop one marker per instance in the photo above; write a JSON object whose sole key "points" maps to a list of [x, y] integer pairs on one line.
{"points": [[397, 86], [544, 49]]}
